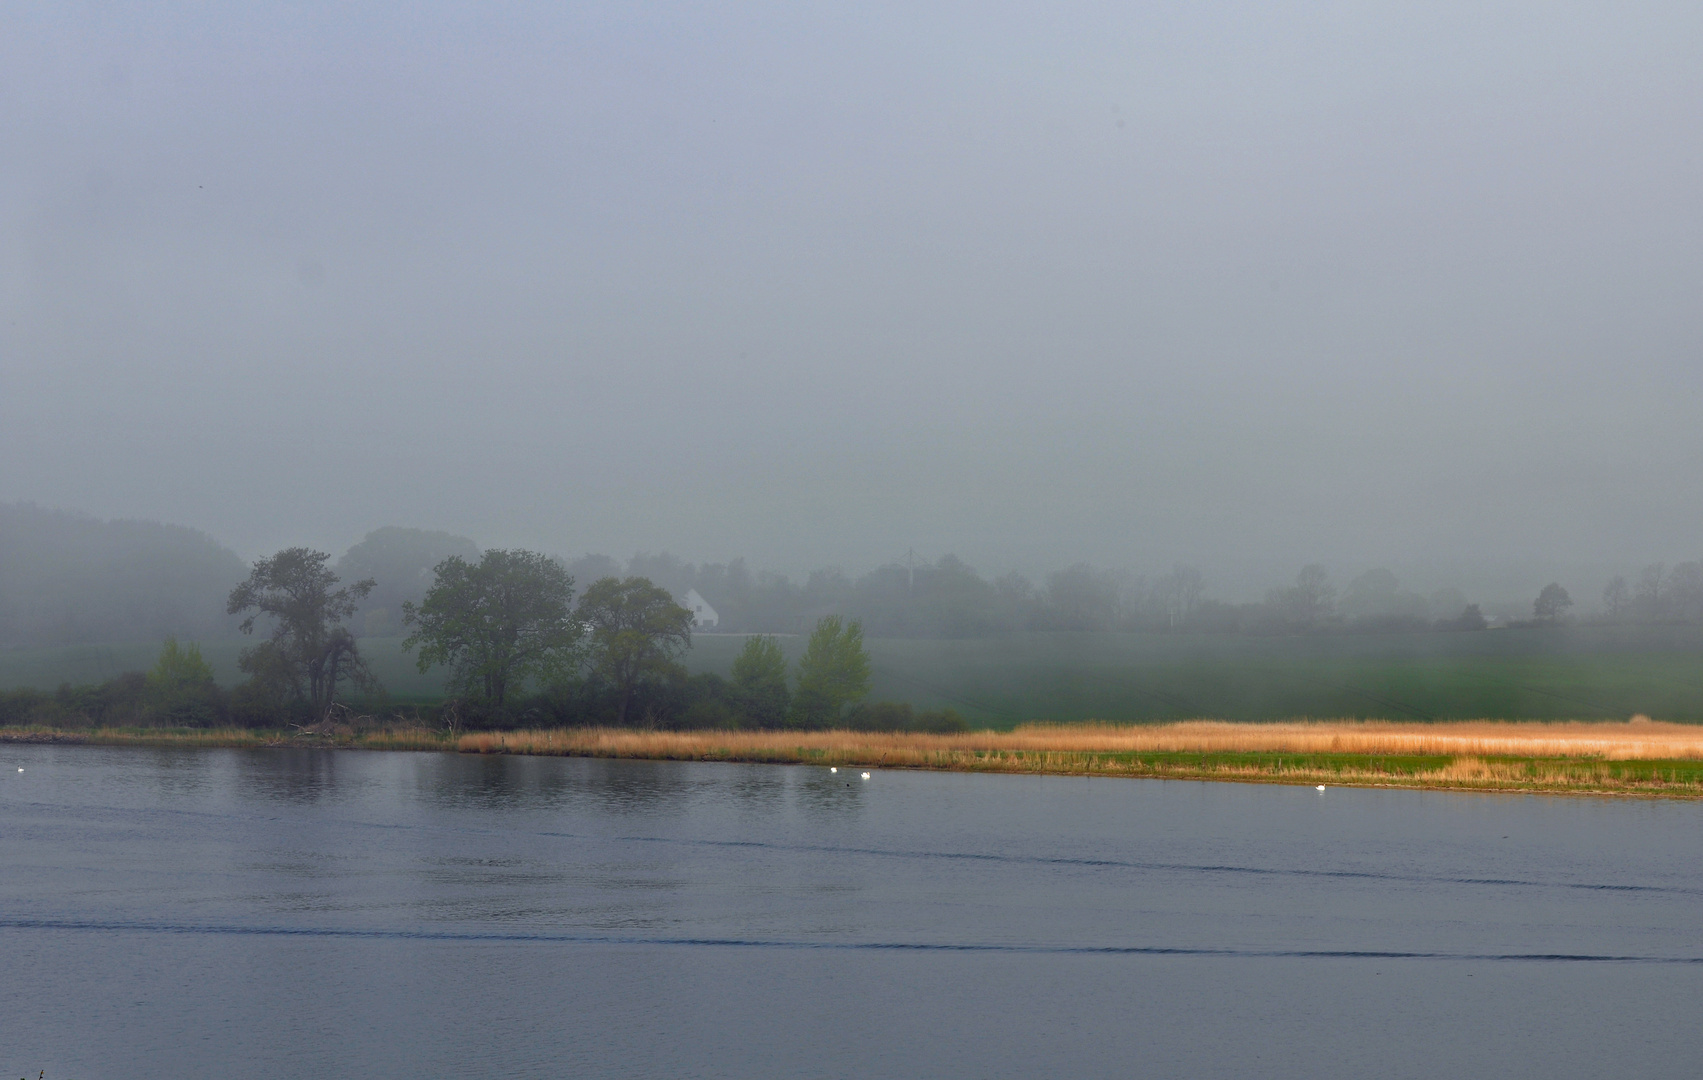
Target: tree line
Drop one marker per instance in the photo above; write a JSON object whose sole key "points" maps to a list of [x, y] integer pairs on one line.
{"points": [[947, 598], [517, 649], [66, 579], [1658, 594], [497, 626], [69, 579]]}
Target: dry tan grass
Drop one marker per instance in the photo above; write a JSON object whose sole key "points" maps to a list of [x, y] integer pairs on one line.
{"points": [[1612, 741], [1574, 757], [1581, 757]]}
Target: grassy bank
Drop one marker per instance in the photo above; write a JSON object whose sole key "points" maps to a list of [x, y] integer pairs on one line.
{"points": [[1639, 758], [232, 738]]}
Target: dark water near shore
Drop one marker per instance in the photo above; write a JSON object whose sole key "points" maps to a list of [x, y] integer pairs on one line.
{"points": [[279, 914]]}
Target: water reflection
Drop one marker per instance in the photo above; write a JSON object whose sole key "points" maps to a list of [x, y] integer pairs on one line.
{"points": [[829, 794], [176, 771], [492, 782], [227, 888], [619, 787], [464, 871], [290, 776], [759, 788]]}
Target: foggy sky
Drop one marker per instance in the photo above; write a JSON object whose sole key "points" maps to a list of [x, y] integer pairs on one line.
{"points": [[1242, 285]]}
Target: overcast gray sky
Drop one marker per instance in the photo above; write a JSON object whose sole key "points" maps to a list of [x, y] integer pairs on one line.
{"points": [[1246, 285]]}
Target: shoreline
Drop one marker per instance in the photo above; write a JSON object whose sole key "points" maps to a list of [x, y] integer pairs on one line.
{"points": [[1627, 759]]}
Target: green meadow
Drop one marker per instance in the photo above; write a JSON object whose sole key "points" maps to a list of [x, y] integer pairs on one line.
{"points": [[1590, 673]]}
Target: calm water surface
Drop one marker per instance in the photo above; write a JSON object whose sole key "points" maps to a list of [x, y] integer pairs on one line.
{"points": [[300, 913]]}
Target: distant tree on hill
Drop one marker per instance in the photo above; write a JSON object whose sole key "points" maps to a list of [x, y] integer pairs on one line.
{"points": [[1615, 596], [1178, 594], [1648, 594], [1470, 618], [664, 569], [1308, 602], [1372, 593], [1551, 604], [832, 673], [1376, 598], [1445, 603], [310, 652], [68, 579], [1685, 592], [402, 562], [593, 568], [637, 631], [759, 679], [497, 623], [1080, 597], [1015, 605], [825, 588]]}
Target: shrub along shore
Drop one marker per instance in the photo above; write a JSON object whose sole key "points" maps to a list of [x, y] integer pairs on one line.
{"points": [[1637, 758]]}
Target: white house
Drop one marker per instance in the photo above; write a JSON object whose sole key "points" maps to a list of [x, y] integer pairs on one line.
{"points": [[703, 616]]}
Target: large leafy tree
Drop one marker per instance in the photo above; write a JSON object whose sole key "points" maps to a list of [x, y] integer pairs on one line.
{"points": [[310, 652], [759, 679], [832, 673], [497, 623], [637, 632]]}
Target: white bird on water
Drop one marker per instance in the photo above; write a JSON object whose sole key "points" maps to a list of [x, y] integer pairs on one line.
{"points": [[865, 775], [1321, 787], [833, 768]]}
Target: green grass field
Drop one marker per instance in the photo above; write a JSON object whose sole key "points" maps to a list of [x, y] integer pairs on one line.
{"points": [[1571, 673]]}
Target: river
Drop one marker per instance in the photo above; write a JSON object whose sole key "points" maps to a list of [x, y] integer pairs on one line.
{"points": [[226, 913]]}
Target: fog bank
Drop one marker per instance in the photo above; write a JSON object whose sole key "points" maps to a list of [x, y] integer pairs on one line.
{"points": [[1248, 286]]}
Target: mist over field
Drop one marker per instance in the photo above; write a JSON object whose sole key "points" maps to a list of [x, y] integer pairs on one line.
{"points": [[680, 538], [1246, 287]]}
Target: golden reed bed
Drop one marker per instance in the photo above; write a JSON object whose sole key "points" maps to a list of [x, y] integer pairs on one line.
{"points": [[1638, 758], [1638, 740]]}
